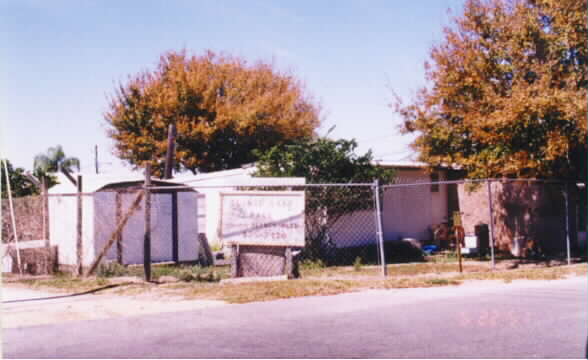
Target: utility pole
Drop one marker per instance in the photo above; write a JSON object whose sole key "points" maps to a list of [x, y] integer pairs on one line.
{"points": [[170, 155], [96, 158]]}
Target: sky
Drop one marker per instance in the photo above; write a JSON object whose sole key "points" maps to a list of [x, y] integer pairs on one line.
{"points": [[60, 60]]}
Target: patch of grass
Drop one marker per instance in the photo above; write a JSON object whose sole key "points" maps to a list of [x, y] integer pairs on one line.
{"points": [[535, 273], [265, 291], [182, 272], [66, 283], [307, 265], [435, 268], [201, 283]]}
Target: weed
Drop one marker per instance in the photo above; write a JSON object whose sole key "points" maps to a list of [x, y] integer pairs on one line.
{"points": [[357, 264], [111, 269], [442, 282], [312, 264]]}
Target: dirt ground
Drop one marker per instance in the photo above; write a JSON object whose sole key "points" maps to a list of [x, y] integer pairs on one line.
{"points": [[24, 307]]}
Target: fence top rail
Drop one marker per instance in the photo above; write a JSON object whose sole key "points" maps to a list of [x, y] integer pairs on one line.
{"points": [[256, 186], [70, 194], [471, 181]]}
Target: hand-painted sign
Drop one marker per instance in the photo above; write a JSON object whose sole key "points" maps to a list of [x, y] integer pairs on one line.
{"points": [[273, 218]]}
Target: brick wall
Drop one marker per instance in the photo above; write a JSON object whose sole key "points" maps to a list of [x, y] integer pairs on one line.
{"points": [[527, 216]]}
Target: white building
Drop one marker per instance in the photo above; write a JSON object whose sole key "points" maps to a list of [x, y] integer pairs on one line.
{"points": [[106, 200], [198, 212], [212, 184]]}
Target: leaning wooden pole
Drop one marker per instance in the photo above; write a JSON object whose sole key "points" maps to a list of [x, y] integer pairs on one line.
{"points": [[147, 236], [115, 234], [12, 216]]}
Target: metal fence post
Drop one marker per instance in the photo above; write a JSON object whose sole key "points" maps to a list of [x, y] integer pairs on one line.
{"points": [[379, 232], [566, 194], [79, 228], [491, 210]]}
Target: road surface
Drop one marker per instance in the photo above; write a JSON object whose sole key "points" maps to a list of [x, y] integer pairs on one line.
{"points": [[544, 319]]}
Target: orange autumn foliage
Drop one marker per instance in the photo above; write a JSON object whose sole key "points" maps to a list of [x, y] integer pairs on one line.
{"points": [[508, 94], [223, 107]]}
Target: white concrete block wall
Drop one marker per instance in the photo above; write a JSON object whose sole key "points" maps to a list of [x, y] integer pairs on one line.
{"points": [[62, 227], [88, 251]]}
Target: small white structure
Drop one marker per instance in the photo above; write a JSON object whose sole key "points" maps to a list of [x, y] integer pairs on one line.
{"points": [[212, 184], [410, 211], [100, 216], [407, 212]]}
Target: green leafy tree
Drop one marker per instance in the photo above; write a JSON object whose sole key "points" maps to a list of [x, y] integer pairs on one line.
{"points": [[54, 160], [508, 91], [223, 109], [51, 162], [20, 185], [323, 160]]}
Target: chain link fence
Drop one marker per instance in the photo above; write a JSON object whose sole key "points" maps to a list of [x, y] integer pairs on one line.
{"points": [[334, 224]]}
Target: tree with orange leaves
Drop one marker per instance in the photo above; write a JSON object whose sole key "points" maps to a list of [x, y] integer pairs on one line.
{"points": [[223, 109], [509, 91]]}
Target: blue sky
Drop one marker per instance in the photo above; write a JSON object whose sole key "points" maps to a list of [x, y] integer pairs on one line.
{"points": [[59, 60]]}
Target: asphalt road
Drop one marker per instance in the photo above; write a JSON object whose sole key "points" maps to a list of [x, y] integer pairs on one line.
{"points": [[536, 319]]}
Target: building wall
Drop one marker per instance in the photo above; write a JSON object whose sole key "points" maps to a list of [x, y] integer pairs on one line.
{"points": [[63, 228], [411, 211], [527, 216], [355, 229]]}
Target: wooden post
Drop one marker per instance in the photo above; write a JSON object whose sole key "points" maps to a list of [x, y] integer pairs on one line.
{"points": [[169, 157], [96, 157], [119, 249], [79, 243], [458, 237], [289, 263], [175, 244], [147, 236], [235, 261]]}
